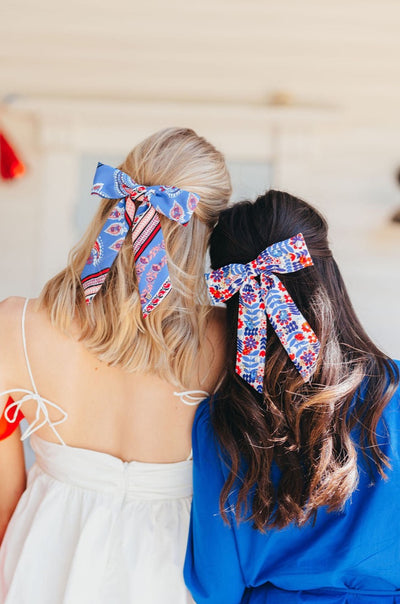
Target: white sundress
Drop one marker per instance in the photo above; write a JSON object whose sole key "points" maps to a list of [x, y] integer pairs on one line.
{"points": [[93, 529]]}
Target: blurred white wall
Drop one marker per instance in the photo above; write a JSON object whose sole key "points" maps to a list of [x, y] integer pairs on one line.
{"points": [[345, 169], [310, 90]]}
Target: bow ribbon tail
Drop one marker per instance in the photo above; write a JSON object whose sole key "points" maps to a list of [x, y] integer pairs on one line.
{"points": [[153, 276], [251, 335], [150, 258], [106, 247], [292, 329]]}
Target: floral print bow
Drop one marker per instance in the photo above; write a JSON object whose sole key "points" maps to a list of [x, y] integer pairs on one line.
{"points": [[267, 298], [148, 241]]}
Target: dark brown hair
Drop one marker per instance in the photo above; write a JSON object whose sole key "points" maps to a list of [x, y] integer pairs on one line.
{"points": [[304, 429]]}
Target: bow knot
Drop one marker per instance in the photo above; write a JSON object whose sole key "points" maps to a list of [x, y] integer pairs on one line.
{"points": [[267, 298], [41, 408], [147, 239]]}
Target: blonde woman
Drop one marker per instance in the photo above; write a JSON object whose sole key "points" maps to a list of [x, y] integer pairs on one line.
{"points": [[108, 373]]}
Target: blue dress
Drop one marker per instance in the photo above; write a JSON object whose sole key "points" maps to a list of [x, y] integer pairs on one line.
{"points": [[347, 557]]}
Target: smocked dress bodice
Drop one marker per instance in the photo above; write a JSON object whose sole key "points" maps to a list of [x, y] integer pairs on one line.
{"points": [[91, 528]]}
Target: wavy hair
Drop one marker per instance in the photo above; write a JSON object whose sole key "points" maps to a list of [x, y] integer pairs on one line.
{"points": [[112, 327], [304, 429]]}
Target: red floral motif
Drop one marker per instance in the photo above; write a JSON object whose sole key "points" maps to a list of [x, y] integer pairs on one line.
{"points": [[249, 296], [95, 254], [283, 317], [115, 214], [217, 275], [116, 246], [192, 202], [176, 212], [305, 260], [215, 293], [294, 332], [308, 358], [249, 344], [297, 242]]}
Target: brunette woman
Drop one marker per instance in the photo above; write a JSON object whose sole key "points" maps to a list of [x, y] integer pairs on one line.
{"points": [[297, 459]]}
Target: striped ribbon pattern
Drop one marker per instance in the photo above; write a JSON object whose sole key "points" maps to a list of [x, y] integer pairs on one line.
{"points": [[147, 239], [267, 297]]}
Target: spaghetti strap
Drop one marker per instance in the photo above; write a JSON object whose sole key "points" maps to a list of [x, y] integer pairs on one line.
{"points": [[192, 397], [42, 403], [28, 365]]}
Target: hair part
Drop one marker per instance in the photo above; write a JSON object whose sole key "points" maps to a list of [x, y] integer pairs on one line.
{"points": [[303, 429], [112, 327]]}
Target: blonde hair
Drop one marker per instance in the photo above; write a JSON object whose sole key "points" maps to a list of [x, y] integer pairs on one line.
{"points": [[167, 342]]}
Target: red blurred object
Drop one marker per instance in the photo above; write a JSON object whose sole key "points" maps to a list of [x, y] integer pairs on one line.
{"points": [[6, 428], [11, 166]]}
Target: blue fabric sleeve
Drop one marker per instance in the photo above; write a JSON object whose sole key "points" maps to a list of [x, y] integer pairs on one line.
{"points": [[212, 569]]}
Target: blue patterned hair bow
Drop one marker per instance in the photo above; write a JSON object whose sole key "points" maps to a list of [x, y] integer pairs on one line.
{"points": [[148, 241], [269, 298]]}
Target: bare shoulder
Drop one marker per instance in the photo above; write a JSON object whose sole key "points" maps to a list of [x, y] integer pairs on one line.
{"points": [[40, 338], [11, 348], [10, 341], [11, 307], [10, 319], [11, 310]]}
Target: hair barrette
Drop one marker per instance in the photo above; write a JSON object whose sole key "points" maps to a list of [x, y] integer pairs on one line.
{"points": [[147, 238], [267, 298]]}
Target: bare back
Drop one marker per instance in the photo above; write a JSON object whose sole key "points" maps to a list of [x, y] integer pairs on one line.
{"points": [[132, 416]]}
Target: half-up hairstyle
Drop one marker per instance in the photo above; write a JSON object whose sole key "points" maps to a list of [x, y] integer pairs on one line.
{"points": [[304, 429], [112, 327]]}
